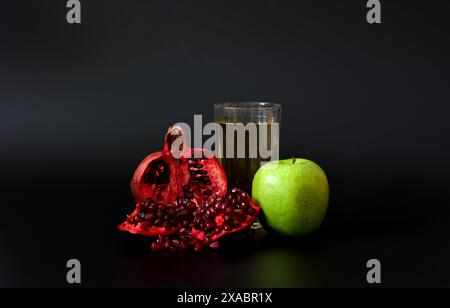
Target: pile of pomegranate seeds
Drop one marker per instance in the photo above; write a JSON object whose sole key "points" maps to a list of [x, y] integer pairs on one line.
{"points": [[184, 225]]}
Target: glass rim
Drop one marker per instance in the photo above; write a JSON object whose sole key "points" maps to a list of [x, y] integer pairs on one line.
{"points": [[248, 105]]}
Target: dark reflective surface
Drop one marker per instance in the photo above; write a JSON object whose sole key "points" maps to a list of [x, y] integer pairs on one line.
{"points": [[80, 106], [41, 234]]}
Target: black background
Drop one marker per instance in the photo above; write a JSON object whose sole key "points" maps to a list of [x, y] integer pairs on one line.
{"points": [[81, 105]]}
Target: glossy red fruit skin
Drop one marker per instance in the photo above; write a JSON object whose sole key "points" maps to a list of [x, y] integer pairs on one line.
{"points": [[179, 169], [139, 189], [138, 229]]}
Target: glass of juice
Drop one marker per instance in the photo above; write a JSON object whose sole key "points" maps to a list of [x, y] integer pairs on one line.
{"points": [[250, 137]]}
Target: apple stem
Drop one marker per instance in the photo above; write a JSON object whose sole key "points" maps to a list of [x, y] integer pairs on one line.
{"points": [[294, 160]]}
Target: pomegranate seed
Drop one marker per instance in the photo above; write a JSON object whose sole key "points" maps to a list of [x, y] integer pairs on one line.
{"points": [[198, 247], [210, 225], [173, 249], [215, 245], [239, 212], [156, 246], [183, 246], [244, 196], [175, 242], [235, 222], [160, 213], [208, 214], [183, 213], [167, 244], [171, 212]]}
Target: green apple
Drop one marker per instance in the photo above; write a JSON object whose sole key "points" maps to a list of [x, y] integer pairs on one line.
{"points": [[293, 195]]}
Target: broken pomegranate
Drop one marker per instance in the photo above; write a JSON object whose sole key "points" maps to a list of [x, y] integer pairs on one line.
{"points": [[165, 177], [183, 201]]}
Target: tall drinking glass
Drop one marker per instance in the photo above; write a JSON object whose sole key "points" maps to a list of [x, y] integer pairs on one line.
{"points": [[250, 137]]}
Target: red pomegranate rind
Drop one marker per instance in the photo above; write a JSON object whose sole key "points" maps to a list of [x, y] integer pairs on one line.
{"points": [[152, 219], [162, 177], [144, 186], [141, 229]]}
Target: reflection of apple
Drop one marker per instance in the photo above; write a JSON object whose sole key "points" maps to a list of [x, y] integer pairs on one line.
{"points": [[293, 194]]}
